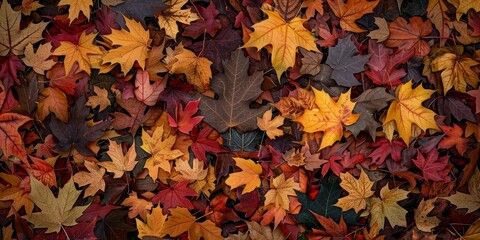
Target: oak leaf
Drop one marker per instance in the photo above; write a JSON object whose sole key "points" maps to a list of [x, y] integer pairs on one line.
{"points": [[359, 190], [173, 14], [284, 37], [329, 116], [77, 6], [424, 222], [279, 191], [132, 46], [93, 178], [351, 11], [249, 176], [161, 151], [54, 101], [78, 52], [55, 211], [387, 207], [345, 63], [457, 71], [196, 69], [120, 163], [407, 109], [153, 225], [11, 37], [236, 90], [138, 206], [269, 125], [408, 35], [38, 60]]}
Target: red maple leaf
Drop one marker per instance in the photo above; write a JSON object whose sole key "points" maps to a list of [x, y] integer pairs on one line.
{"points": [[384, 148], [433, 167], [202, 144], [453, 138], [175, 196], [183, 117]]}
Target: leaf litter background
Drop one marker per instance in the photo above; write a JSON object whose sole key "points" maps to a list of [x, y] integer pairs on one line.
{"points": [[125, 119]]}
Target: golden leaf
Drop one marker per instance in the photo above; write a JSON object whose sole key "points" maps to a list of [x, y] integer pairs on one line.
{"points": [[249, 176], [269, 125], [38, 60], [359, 190], [279, 191]]}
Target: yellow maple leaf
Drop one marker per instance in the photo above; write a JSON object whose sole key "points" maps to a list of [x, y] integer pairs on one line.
{"points": [[138, 206], [196, 69], [249, 176], [38, 60], [195, 174], [120, 163], [78, 52], [11, 37], [387, 207], [407, 109], [329, 116], [173, 14], [55, 211], [469, 201], [15, 193], [279, 191], [132, 46], [422, 220], [465, 5], [93, 178], [54, 101], [284, 37], [161, 150], [351, 11], [153, 226], [77, 6], [28, 6], [181, 220], [270, 126], [457, 71], [101, 99], [359, 190]]}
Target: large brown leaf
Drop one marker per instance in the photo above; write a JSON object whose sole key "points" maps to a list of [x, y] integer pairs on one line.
{"points": [[288, 9], [236, 90]]}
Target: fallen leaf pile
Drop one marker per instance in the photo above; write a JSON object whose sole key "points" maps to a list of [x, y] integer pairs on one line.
{"points": [[252, 119]]}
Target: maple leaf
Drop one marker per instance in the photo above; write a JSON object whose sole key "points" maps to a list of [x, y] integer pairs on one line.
{"points": [[93, 178], [249, 176], [196, 69], [284, 37], [42, 170], [358, 191], [457, 71], [236, 90], [38, 60], [55, 211], [465, 5], [312, 7], [144, 91], [336, 230], [54, 101], [184, 120], [28, 6], [257, 232], [11, 37], [269, 125], [469, 201], [384, 148], [310, 62], [387, 207], [330, 116], [407, 109], [12, 145], [279, 191], [454, 138], [132, 46], [408, 35], [138, 206], [161, 151], [367, 104], [16, 193], [205, 24], [181, 220], [434, 168], [422, 220], [153, 226], [383, 64], [202, 143], [78, 52], [76, 134], [120, 163], [137, 116], [345, 63], [351, 11], [195, 175], [175, 196], [100, 99], [173, 14], [381, 34], [77, 6]]}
